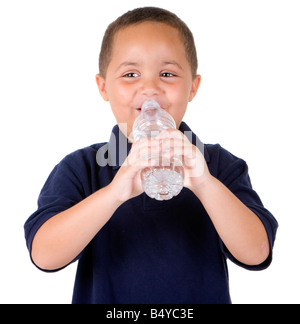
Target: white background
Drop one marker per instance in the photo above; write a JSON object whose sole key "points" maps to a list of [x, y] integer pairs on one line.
{"points": [[248, 102]]}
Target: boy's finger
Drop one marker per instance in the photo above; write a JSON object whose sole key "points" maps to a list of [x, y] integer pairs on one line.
{"points": [[171, 133]]}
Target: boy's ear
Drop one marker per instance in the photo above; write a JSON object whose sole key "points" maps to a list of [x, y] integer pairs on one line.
{"points": [[102, 87], [195, 87]]}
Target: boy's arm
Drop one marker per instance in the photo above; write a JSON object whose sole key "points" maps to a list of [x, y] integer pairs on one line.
{"points": [[62, 238], [239, 228]]}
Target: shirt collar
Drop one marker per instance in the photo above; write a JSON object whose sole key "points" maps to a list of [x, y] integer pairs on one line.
{"points": [[119, 146], [194, 139]]}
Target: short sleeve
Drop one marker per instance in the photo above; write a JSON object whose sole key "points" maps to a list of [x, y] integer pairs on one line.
{"points": [[62, 190], [233, 173]]}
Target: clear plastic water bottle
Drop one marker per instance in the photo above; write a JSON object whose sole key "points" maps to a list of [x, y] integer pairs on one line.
{"points": [[165, 180]]}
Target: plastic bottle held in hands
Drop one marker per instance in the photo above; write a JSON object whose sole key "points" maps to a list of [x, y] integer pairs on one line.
{"points": [[165, 180]]}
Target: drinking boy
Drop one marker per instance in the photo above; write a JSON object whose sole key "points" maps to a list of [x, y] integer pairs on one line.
{"points": [[131, 248]]}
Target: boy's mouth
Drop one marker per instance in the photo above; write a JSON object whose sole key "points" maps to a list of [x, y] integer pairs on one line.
{"points": [[140, 109]]}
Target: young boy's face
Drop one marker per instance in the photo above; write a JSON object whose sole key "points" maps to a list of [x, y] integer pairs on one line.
{"points": [[148, 61]]}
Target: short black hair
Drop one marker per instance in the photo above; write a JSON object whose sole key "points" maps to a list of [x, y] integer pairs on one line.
{"points": [[141, 15]]}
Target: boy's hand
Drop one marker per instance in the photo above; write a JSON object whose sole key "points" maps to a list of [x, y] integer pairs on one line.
{"points": [[175, 143], [127, 182]]}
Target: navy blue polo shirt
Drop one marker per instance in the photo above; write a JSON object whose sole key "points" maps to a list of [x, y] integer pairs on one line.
{"points": [[149, 252]]}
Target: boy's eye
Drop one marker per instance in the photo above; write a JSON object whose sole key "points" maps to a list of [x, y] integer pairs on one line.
{"points": [[130, 75], [167, 75]]}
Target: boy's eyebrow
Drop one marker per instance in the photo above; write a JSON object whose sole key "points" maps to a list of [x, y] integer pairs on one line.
{"points": [[173, 63], [164, 63], [127, 63]]}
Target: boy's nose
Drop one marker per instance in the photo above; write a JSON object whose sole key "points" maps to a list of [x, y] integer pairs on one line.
{"points": [[150, 88]]}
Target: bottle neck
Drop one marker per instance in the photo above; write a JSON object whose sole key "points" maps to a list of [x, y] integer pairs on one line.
{"points": [[151, 113]]}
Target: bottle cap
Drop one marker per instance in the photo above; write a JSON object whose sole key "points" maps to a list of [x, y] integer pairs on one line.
{"points": [[151, 110], [151, 103]]}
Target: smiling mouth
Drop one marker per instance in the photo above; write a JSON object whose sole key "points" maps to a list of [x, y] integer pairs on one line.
{"points": [[140, 109]]}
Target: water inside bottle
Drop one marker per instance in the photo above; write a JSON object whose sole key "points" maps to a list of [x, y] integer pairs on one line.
{"points": [[162, 183]]}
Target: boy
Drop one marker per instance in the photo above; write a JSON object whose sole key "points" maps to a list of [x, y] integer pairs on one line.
{"points": [[131, 248]]}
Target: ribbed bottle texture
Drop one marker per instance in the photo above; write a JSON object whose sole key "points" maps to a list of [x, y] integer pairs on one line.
{"points": [[165, 180]]}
